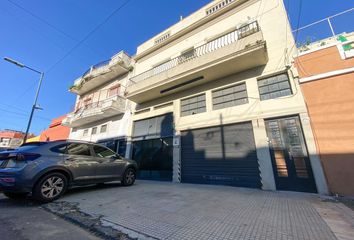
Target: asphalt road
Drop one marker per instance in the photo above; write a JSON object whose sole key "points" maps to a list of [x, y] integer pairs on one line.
{"points": [[25, 220]]}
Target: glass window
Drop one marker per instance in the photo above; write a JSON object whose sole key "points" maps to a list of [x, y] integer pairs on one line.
{"points": [[230, 96], [103, 152], [193, 105], [274, 87], [59, 148], [113, 91], [104, 128], [85, 133], [78, 149], [122, 146], [94, 130]]}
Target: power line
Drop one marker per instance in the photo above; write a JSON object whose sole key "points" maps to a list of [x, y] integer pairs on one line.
{"points": [[88, 35], [298, 21], [42, 20], [23, 114]]}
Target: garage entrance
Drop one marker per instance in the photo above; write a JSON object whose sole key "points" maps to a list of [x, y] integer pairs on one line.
{"points": [[224, 155], [153, 148]]}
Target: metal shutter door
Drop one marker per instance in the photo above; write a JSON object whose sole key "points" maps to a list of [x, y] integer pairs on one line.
{"points": [[223, 155]]}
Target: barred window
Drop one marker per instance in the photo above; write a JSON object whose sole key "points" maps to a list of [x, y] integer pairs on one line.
{"points": [[274, 87], [193, 105], [230, 96]]}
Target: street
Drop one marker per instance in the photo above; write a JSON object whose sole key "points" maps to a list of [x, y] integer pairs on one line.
{"points": [[25, 220]]}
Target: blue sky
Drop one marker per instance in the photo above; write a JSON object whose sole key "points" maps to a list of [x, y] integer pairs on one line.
{"points": [[27, 39]]}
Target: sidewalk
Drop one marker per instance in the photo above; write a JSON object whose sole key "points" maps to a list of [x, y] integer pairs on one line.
{"points": [[159, 210]]}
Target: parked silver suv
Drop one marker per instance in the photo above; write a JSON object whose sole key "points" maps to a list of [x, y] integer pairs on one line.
{"points": [[47, 169]]}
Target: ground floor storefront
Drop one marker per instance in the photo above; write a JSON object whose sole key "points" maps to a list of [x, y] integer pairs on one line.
{"points": [[270, 154]]}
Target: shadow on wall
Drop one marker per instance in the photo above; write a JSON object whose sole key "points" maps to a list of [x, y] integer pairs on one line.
{"points": [[224, 155], [339, 171]]}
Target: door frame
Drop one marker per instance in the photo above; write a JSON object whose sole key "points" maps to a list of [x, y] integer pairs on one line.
{"points": [[307, 159]]}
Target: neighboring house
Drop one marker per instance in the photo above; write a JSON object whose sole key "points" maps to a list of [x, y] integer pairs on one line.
{"points": [[11, 138], [56, 131], [326, 71], [34, 139], [101, 111], [218, 102]]}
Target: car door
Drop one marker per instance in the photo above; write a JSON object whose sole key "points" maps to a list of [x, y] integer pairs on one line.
{"points": [[79, 160], [110, 165]]}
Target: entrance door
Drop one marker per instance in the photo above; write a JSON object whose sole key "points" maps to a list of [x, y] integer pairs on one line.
{"points": [[154, 158], [291, 165]]}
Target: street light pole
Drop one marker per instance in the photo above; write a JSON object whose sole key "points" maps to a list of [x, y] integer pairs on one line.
{"points": [[34, 106]]}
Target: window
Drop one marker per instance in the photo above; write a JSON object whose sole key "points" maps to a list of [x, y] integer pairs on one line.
{"points": [[94, 130], [103, 128], [113, 91], [85, 133], [74, 129], [103, 152], [186, 55], [78, 149], [59, 148], [230, 96], [274, 87], [193, 105]]}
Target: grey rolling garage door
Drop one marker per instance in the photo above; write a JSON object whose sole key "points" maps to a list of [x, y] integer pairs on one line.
{"points": [[223, 155]]}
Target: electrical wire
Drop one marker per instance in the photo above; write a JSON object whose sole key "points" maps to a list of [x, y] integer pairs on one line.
{"points": [[42, 20], [87, 36]]}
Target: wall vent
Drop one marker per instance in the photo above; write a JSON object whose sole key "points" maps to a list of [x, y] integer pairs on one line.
{"points": [[218, 6], [162, 38]]}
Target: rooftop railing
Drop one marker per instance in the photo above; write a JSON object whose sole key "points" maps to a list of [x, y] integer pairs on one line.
{"points": [[211, 46]]}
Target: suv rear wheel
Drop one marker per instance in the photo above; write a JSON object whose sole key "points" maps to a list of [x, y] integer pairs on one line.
{"points": [[50, 187], [129, 177]]}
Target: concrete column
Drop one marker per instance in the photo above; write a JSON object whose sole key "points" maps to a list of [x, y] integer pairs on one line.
{"points": [[263, 154], [129, 149], [176, 174], [315, 160]]}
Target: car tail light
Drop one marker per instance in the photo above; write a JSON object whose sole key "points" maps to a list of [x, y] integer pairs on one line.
{"points": [[26, 156], [17, 159]]}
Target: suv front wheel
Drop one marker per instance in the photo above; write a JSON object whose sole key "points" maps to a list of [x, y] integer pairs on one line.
{"points": [[129, 177], [50, 187]]}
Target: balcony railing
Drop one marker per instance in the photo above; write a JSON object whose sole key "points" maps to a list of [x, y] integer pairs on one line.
{"points": [[101, 104], [118, 64], [211, 46], [96, 66]]}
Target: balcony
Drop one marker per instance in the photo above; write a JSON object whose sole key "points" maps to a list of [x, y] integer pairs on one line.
{"points": [[102, 73], [233, 52], [95, 111]]}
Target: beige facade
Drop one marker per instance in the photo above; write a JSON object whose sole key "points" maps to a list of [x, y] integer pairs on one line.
{"points": [[223, 44], [101, 111]]}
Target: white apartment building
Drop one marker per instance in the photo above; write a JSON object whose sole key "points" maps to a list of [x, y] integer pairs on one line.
{"points": [[102, 113], [217, 101]]}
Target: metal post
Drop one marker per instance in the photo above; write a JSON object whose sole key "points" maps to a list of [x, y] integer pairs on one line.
{"points": [[34, 107], [331, 27]]}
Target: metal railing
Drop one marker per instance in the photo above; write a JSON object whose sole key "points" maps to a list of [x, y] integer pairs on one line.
{"points": [[98, 65], [208, 47], [331, 26], [78, 111]]}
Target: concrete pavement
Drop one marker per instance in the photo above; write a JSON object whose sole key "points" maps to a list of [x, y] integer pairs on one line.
{"points": [[24, 220], [160, 210]]}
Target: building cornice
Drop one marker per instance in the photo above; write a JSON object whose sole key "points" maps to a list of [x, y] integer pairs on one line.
{"points": [[189, 28]]}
